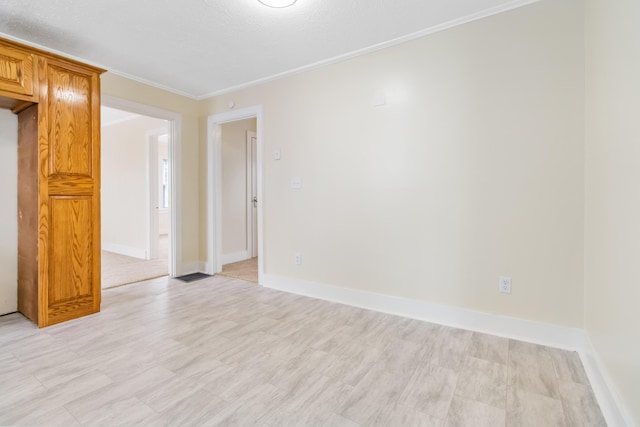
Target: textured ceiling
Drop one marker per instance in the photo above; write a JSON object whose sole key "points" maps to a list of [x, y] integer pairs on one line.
{"points": [[203, 47]]}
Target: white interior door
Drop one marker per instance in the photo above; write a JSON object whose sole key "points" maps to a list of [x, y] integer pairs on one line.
{"points": [[254, 193]]}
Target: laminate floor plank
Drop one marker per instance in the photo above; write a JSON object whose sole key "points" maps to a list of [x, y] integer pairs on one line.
{"points": [[221, 351], [484, 382]]}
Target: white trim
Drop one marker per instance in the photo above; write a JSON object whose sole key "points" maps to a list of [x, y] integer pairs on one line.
{"points": [[568, 338], [214, 188], [190, 268], [248, 198], [374, 48], [610, 404], [204, 267], [97, 64], [364, 51], [214, 198], [125, 250], [235, 257], [118, 121], [175, 168], [508, 327], [151, 83], [138, 108]]}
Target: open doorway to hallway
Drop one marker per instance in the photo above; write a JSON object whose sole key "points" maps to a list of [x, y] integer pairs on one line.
{"points": [[215, 123], [135, 197], [239, 199]]}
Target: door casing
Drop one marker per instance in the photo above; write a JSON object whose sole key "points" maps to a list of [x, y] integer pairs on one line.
{"points": [[214, 186]]}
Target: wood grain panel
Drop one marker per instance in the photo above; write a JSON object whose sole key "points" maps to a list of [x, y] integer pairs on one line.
{"points": [[28, 213], [70, 192], [70, 122], [16, 72], [70, 309], [15, 105], [71, 185], [70, 254]]}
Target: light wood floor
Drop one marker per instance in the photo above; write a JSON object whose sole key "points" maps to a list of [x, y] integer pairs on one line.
{"points": [[118, 270], [221, 351], [244, 270]]}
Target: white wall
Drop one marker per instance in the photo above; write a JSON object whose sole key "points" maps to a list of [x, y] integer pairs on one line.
{"points": [[234, 188], [612, 219], [473, 169], [8, 212], [125, 185]]}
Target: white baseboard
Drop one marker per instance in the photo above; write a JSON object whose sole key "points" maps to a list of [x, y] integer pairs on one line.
{"points": [[574, 339], [614, 412], [508, 327], [125, 250], [235, 257], [204, 268], [190, 268]]}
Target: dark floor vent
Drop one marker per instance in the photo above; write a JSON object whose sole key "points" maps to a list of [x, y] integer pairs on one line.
{"points": [[193, 277]]}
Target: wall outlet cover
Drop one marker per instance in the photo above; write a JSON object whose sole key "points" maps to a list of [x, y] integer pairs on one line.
{"points": [[504, 285]]}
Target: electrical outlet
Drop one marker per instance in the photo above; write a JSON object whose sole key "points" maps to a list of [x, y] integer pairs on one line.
{"points": [[296, 183], [297, 259], [505, 285]]}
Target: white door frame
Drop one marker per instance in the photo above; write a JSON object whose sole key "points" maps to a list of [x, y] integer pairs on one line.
{"points": [[252, 247], [175, 163], [153, 201], [214, 185]]}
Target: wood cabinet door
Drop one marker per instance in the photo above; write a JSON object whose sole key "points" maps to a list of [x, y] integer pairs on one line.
{"points": [[69, 211], [16, 72]]}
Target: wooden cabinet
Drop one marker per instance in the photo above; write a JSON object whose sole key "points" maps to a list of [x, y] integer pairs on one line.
{"points": [[58, 189], [18, 76]]}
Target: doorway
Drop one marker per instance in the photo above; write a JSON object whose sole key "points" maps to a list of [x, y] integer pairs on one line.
{"points": [[139, 238], [239, 199], [8, 211], [221, 247]]}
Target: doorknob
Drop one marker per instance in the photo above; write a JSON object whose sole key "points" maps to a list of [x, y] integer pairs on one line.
{"points": [[255, 202]]}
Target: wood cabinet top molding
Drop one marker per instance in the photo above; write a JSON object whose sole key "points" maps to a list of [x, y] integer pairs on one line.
{"points": [[19, 80], [45, 54]]}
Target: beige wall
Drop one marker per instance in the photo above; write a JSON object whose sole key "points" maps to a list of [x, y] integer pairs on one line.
{"points": [[130, 90], [612, 173], [8, 212], [234, 186], [125, 183], [473, 169]]}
